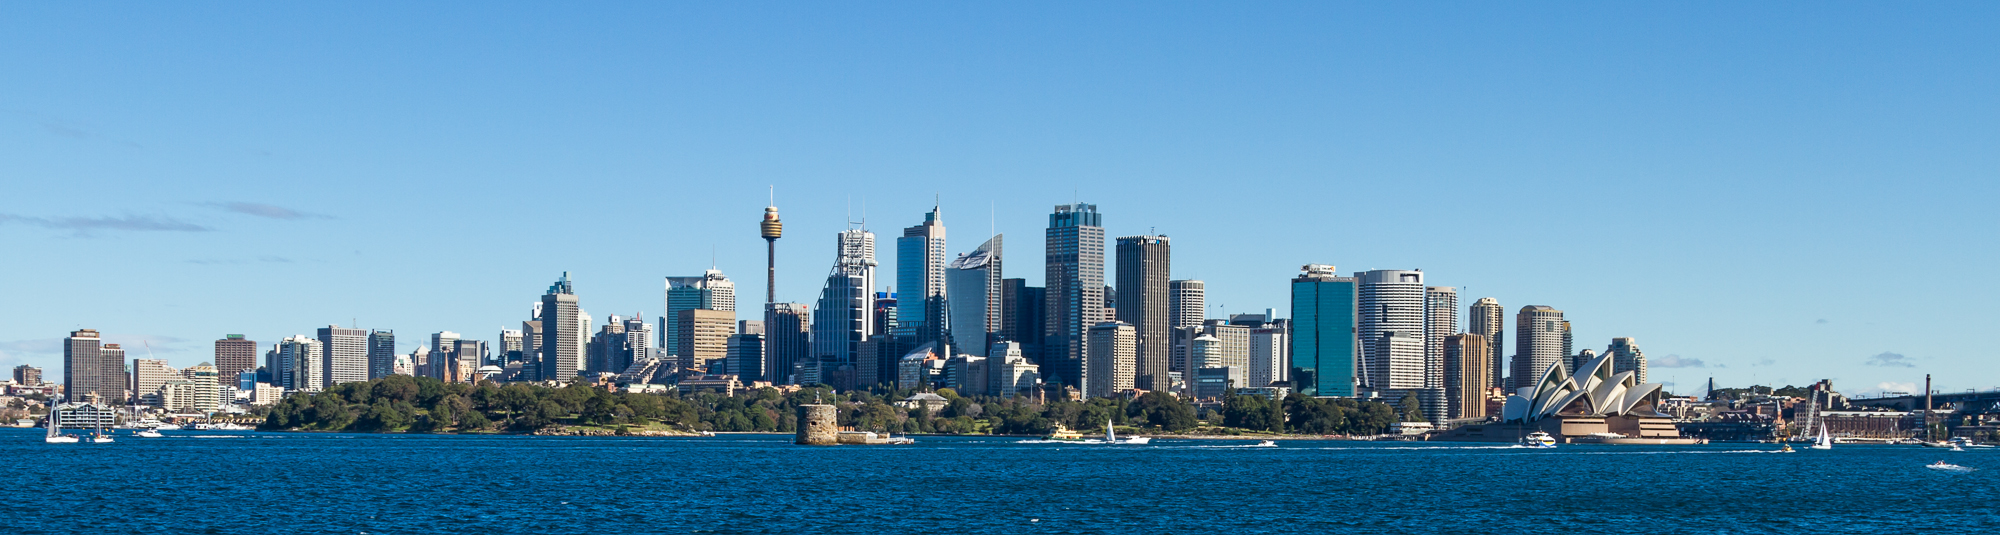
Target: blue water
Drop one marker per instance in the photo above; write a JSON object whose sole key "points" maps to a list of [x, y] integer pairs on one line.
{"points": [[340, 483]]}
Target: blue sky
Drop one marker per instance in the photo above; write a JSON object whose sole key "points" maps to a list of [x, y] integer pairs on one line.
{"points": [[1770, 192]]}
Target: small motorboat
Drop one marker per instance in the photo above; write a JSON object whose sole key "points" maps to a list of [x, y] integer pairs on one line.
{"points": [[149, 434], [1786, 449], [1948, 467], [1267, 444]]}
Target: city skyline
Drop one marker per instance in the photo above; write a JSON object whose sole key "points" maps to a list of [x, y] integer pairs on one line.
{"points": [[1711, 185]]}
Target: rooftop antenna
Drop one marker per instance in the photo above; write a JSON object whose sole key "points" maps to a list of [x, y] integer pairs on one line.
{"points": [[711, 256]]}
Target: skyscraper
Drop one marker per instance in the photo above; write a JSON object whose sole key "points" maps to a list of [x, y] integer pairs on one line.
{"points": [[27, 375], [299, 366], [920, 260], [1113, 360], [1075, 278], [233, 356], [1440, 320], [1626, 357], [92, 369], [1465, 380], [1144, 300], [709, 291], [531, 350], [346, 354], [381, 354], [1269, 362], [1187, 302], [973, 282], [1325, 349], [704, 338], [1488, 320], [1391, 300], [1538, 343], [562, 342], [1023, 310], [148, 375], [786, 327], [840, 319]]}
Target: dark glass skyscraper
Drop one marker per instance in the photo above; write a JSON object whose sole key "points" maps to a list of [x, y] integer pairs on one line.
{"points": [[920, 280], [1144, 267], [1075, 278], [1325, 347]]}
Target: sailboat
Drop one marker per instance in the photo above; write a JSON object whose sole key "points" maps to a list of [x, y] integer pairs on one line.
{"points": [[55, 431], [1824, 441]]}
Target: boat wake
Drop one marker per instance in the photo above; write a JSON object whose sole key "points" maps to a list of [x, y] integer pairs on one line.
{"points": [[1085, 441]]}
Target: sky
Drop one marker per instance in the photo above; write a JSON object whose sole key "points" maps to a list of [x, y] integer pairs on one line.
{"points": [[1768, 193]]}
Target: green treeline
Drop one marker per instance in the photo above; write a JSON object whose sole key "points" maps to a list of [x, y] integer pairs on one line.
{"points": [[425, 405]]}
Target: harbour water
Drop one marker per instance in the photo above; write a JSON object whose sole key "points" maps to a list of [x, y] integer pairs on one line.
{"points": [[215, 482]]}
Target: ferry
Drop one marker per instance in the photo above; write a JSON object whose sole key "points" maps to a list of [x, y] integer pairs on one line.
{"points": [[1062, 432], [1539, 439]]}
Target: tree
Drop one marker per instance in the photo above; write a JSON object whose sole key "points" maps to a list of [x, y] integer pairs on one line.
{"points": [[1411, 408]]}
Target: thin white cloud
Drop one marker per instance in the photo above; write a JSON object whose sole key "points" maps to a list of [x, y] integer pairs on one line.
{"points": [[1675, 361], [1892, 360]]}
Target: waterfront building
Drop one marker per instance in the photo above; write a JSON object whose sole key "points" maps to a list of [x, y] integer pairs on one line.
{"points": [[920, 284], [235, 355], [562, 340], [1113, 363], [1023, 310], [1015, 374], [1538, 342], [1465, 380], [346, 354], [26, 375], [205, 394], [1440, 320], [1390, 300], [1269, 362], [1215, 382], [1626, 357], [381, 354], [147, 377], [708, 291], [786, 335], [1075, 300], [1487, 319], [92, 370], [1325, 349], [1144, 267]]}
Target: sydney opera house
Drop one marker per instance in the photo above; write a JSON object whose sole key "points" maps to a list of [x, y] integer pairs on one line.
{"points": [[1593, 406]]}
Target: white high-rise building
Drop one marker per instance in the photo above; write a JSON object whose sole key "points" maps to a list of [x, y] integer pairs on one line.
{"points": [[1440, 320], [1390, 300], [1187, 302], [346, 354], [147, 377], [1269, 362], [1626, 357], [299, 367], [1113, 359], [973, 283]]}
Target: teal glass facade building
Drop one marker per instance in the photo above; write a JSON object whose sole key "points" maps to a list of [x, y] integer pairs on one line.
{"points": [[1324, 344]]}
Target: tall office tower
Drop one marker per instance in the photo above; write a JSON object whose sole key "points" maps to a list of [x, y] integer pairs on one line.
{"points": [[1626, 357], [444, 341], [148, 375], [1075, 278], [973, 282], [1569, 345], [300, 367], [1440, 320], [746, 356], [1325, 349], [877, 363], [1187, 302], [884, 314], [531, 350], [1268, 361], [1465, 380], [709, 291], [513, 347], [606, 350], [381, 354], [207, 391], [466, 357], [90, 370], [1390, 300], [638, 340], [786, 328], [1022, 310], [346, 354], [562, 354], [854, 254], [1233, 349], [1144, 267], [840, 321], [1538, 344], [704, 337], [920, 280], [1577, 361], [1488, 320], [26, 375], [234, 356], [1113, 359]]}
